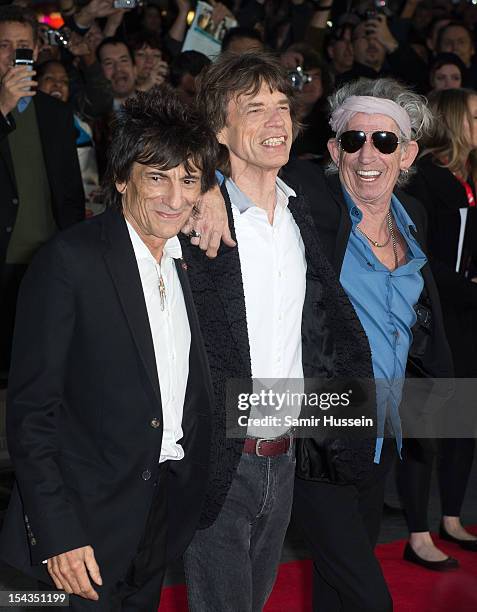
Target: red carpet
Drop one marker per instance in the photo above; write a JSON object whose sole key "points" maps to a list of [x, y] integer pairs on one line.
{"points": [[413, 589]]}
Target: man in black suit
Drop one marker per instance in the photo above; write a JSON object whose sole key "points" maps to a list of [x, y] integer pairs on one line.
{"points": [[39, 172], [109, 393]]}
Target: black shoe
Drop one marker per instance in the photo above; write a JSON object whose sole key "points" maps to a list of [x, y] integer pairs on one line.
{"points": [[465, 544], [438, 566]]}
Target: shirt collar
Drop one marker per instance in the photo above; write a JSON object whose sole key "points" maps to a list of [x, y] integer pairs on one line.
{"points": [[242, 202], [397, 208], [172, 248], [23, 104]]}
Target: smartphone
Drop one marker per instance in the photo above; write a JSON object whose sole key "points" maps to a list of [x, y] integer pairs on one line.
{"points": [[24, 57]]}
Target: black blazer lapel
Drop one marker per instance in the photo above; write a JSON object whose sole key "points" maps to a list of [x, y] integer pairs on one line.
{"points": [[120, 260]]}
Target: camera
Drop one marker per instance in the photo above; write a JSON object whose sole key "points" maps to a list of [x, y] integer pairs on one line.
{"points": [[56, 38], [125, 4], [298, 78]]}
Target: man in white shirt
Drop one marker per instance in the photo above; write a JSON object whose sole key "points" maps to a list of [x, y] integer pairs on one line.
{"points": [[108, 408], [257, 306]]}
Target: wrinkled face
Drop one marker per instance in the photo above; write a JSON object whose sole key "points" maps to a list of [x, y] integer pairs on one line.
{"points": [[159, 202], [457, 40], [367, 48], [14, 36], [369, 175], [146, 60], [119, 69], [258, 131], [471, 129], [312, 91], [446, 77], [55, 82], [341, 52], [241, 45]]}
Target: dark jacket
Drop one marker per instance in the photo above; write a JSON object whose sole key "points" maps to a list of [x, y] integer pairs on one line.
{"points": [[57, 133], [334, 343], [443, 196], [84, 404]]}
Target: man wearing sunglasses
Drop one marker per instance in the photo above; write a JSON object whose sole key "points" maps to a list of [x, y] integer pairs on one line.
{"points": [[374, 236]]}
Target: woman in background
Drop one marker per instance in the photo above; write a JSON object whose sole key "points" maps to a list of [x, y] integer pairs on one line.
{"points": [[446, 71], [445, 184]]}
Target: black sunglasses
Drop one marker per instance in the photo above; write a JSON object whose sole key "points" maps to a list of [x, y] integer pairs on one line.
{"points": [[352, 141]]}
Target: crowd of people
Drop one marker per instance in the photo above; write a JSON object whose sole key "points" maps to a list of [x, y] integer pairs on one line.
{"points": [[299, 207]]}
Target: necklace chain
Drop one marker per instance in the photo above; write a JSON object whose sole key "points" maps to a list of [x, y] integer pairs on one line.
{"points": [[391, 237]]}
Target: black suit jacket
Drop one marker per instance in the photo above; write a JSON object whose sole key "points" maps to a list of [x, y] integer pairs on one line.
{"points": [[83, 393], [333, 340], [58, 136]]}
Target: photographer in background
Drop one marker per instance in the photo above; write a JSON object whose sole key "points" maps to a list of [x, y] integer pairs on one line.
{"points": [[311, 77], [40, 179], [151, 68], [457, 38], [378, 53]]}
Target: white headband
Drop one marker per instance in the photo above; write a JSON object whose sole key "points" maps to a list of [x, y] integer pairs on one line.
{"points": [[371, 106]]}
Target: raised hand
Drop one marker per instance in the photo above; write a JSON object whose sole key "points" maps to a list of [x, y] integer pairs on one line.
{"points": [[16, 83]]}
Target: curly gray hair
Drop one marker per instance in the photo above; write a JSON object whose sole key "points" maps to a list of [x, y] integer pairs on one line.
{"points": [[415, 106]]}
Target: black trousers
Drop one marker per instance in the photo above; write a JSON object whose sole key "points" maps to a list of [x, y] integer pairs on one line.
{"points": [[140, 591], [341, 526], [454, 464]]}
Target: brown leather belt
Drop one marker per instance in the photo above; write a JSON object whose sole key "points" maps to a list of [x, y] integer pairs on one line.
{"points": [[267, 448]]}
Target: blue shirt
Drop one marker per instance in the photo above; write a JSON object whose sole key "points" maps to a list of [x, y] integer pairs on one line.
{"points": [[384, 301]]}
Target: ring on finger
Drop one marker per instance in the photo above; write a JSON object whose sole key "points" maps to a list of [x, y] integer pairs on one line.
{"points": [[194, 234]]}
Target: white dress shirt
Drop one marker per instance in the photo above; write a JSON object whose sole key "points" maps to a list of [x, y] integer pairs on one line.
{"points": [[170, 335], [272, 259]]}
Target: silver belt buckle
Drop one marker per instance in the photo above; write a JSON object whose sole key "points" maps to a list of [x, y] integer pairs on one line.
{"points": [[257, 444]]}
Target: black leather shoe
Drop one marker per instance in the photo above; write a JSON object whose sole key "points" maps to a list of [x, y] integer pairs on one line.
{"points": [[464, 544], [438, 566]]}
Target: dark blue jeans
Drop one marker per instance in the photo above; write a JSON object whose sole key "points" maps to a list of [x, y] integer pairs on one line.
{"points": [[231, 566]]}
